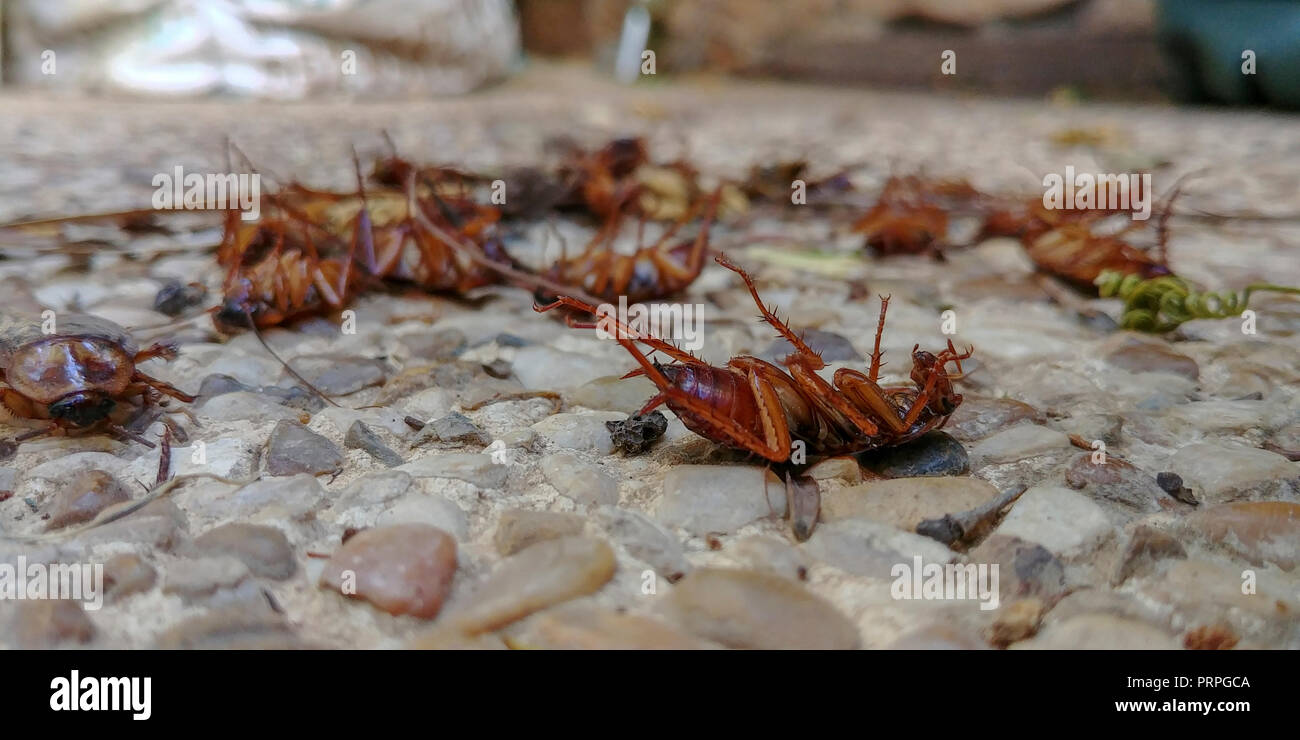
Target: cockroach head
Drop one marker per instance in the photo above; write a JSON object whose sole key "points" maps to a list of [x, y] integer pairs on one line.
{"points": [[82, 409]]}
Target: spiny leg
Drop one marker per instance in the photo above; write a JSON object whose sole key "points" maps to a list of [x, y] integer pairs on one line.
{"points": [[867, 393], [823, 394], [876, 364], [784, 330], [162, 387], [624, 329]]}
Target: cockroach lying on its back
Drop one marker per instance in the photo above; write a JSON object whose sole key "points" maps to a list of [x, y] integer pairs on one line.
{"points": [[78, 378], [754, 405], [652, 272]]}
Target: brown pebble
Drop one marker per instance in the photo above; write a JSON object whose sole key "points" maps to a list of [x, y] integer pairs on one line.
{"points": [[43, 623], [82, 498], [401, 569], [520, 528], [127, 574]]}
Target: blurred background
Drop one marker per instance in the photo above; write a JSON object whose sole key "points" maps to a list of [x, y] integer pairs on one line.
{"points": [[1219, 51]]}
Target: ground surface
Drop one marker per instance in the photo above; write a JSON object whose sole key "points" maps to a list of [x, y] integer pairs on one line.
{"points": [[1101, 555]]}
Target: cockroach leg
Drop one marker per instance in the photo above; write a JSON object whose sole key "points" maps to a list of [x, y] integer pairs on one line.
{"points": [[876, 364], [802, 350], [164, 457], [162, 387]]}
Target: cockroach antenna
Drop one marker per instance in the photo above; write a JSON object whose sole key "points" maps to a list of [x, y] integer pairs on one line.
{"points": [[289, 368]]}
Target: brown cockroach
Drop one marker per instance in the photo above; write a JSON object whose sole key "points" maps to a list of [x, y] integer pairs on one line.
{"points": [[760, 407], [76, 379], [652, 272], [293, 263], [1063, 242], [602, 181], [911, 215]]}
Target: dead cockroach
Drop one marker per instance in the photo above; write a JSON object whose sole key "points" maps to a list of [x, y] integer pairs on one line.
{"points": [[759, 407], [911, 215], [310, 255], [652, 272], [775, 182], [76, 378], [1063, 242], [602, 181]]}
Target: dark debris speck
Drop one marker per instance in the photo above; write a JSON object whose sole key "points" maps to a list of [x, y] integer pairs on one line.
{"points": [[636, 434]]}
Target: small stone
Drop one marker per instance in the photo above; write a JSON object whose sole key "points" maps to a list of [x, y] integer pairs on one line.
{"points": [[8, 480], [1258, 532], [767, 553], [586, 627], [82, 498], [1017, 443], [1104, 427], [473, 468], [68, 466], [831, 346], [1114, 480], [341, 376], [45, 623], [362, 437], [614, 393], [540, 367], [374, 489], [242, 405], [452, 429], [1144, 355], [870, 548], [520, 528], [1145, 546], [402, 569], [294, 449], [1064, 521], [584, 483], [1016, 621], [425, 508], [977, 418], [534, 578], [1099, 632], [940, 637], [127, 574], [636, 434], [1219, 474], [719, 498], [579, 431], [844, 468], [159, 525], [295, 496], [1285, 442], [244, 625], [1025, 569], [906, 502], [934, 453], [175, 297], [645, 540], [264, 550], [750, 609], [440, 345], [198, 578], [499, 369]]}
